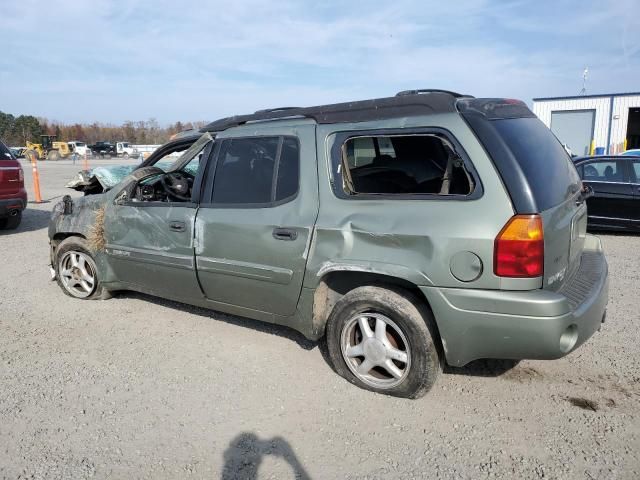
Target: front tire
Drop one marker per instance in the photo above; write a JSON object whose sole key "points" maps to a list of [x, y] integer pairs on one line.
{"points": [[53, 155], [76, 271], [382, 339]]}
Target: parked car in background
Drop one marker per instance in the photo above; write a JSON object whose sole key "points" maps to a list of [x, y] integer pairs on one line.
{"points": [[615, 180], [634, 152], [103, 149], [17, 152], [290, 216], [124, 150], [79, 148], [13, 196]]}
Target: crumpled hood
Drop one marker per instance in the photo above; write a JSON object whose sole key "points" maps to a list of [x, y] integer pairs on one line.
{"points": [[100, 179]]}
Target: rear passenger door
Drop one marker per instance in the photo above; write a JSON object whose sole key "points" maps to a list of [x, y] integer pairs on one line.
{"points": [[612, 201], [255, 222]]}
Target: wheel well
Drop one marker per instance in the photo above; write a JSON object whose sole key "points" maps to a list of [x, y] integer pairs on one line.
{"points": [[334, 285], [64, 235], [59, 237]]}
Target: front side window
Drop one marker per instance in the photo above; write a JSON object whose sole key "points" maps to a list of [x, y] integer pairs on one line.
{"points": [[605, 171], [403, 164], [175, 180], [256, 170]]}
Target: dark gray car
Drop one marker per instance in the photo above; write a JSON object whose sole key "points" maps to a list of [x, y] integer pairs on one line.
{"points": [[410, 231]]}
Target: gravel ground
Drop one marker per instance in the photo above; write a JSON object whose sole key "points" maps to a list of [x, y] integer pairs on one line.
{"points": [[137, 387]]}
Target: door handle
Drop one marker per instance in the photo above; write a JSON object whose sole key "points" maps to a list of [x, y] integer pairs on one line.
{"points": [[284, 234], [177, 226]]}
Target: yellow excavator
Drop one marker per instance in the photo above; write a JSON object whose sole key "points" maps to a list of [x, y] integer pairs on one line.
{"points": [[48, 149]]}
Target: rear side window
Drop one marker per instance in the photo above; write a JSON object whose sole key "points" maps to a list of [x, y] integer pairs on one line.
{"points": [[5, 153], [550, 172], [256, 171], [403, 165], [607, 171], [636, 170]]}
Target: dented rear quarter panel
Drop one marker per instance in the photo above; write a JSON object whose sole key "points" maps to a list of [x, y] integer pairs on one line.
{"points": [[410, 239]]}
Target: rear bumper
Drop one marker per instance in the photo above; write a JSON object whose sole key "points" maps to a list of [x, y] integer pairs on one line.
{"points": [[9, 205], [535, 324]]}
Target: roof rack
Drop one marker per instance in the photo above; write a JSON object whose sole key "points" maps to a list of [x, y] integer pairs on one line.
{"points": [[429, 90], [405, 104], [271, 110]]}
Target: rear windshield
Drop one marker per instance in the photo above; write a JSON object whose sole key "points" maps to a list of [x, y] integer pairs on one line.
{"points": [[550, 172], [5, 153]]}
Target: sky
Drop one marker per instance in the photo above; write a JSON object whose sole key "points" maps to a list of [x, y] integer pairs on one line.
{"points": [[112, 61]]}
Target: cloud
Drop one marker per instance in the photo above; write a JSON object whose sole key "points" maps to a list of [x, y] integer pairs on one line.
{"points": [[117, 60]]}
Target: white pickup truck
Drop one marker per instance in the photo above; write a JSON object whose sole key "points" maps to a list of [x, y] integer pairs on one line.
{"points": [[123, 149], [79, 147]]}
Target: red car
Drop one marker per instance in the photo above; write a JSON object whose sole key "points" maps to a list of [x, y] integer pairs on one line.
{"points": [[13, 196]]}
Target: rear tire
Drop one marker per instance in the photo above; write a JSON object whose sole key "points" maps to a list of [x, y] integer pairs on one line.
{"points": [[396, 354], [53, 155], [76, 271], [11, 223]]}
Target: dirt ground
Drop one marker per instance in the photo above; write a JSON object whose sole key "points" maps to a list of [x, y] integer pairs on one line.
{"points": [[137, 387]]}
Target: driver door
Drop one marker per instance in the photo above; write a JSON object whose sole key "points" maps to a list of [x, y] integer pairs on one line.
{"points": [[150, 243]]}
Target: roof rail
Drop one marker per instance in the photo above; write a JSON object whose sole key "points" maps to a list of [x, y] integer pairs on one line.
{"points": [[353, 112], [429, 90], [271, 110]]}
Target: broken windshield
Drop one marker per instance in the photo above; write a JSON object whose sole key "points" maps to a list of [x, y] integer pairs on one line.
{"points": [[108, 177]]}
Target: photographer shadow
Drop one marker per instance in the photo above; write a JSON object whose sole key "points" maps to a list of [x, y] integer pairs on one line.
{"points": [[245, 453]]}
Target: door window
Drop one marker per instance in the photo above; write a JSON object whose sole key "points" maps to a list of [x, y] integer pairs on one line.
{"points": [[403, 164], [5, 153], [636, 171], [257, 171], [604, 171]]}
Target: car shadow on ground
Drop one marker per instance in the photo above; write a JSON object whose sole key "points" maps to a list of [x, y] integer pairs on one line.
{"points": [[32, 220], [483, 368], [477, 368], [245, 453], [263, 327]]}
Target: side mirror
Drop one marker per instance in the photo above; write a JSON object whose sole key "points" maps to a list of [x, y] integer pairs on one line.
{"points": [[587, 191], [122, 198]]}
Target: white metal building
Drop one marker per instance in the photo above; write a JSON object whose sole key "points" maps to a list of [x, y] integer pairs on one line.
{"points": [[600, 124]]}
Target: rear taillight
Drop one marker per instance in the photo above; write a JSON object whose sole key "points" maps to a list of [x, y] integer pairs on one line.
{"points": [[519, 248], [20, 175]]}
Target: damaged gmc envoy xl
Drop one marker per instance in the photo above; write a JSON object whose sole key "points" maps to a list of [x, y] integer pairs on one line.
{"points": [[410, 231]]}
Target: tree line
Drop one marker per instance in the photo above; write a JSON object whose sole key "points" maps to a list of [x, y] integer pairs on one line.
{"points": [[17, 131]]}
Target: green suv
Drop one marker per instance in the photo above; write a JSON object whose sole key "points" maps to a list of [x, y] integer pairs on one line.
{"points": [[409, 231]]}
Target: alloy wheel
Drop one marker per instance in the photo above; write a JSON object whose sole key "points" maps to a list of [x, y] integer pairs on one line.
{"points": [[78, 273], [376, 350]]}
